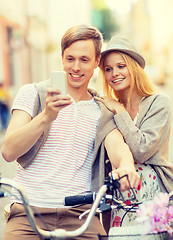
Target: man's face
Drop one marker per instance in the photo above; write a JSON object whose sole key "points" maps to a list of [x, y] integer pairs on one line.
{"points": [[79, 63]]}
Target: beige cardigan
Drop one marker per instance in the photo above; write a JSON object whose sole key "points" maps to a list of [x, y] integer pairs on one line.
{"points": [[148, 140]]}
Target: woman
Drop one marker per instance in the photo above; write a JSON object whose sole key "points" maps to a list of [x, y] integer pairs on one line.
{"points": [[141, 115]]}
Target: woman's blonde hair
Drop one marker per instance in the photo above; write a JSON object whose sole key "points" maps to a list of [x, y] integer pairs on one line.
{"points": [[139, 79]]}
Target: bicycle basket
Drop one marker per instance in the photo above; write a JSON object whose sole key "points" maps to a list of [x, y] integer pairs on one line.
{"points": [[151, 236], [133, 233]]}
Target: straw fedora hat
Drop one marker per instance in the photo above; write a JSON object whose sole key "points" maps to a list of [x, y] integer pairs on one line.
{"points": [[118, 43]]}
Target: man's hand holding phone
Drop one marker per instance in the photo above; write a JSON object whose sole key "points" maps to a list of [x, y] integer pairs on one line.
{"points": [[57, 97]]}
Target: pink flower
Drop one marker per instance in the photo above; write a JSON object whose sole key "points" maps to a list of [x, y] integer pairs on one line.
{"points": [[161, 200], [170, 212], [156, 214]]}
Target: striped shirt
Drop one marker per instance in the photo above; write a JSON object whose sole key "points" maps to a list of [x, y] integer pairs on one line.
{"points": [[63, 165]]}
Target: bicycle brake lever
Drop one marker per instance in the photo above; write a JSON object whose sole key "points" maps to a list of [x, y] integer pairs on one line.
{"points": [[104, 207], [84, 214], [87, 212]]}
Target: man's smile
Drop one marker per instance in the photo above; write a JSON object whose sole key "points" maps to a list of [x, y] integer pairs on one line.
{"points": [[76, 76]]}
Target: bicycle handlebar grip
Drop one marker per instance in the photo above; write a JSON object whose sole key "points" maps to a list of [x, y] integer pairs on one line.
{"points": [[79, 199]]}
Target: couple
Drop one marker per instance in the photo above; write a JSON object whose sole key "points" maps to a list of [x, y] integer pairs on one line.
{"points": [[61, 142]]}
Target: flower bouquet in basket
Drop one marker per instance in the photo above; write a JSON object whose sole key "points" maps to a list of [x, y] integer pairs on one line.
{"points": [[155, 222], [156, 216]]}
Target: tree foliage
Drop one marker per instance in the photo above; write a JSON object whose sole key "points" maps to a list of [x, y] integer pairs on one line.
{"points": [[103, 18]]}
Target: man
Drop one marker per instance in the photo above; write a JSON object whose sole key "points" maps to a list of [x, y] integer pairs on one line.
{"points": [[52, 136]]}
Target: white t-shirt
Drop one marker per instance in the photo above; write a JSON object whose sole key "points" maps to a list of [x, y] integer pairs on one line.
{"points": [[63, 165]]}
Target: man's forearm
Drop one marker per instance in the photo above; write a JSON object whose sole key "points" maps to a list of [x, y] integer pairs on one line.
{"points": [[19, 141]]}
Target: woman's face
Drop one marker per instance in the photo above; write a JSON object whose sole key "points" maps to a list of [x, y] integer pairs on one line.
{"points": [[116, 73]]}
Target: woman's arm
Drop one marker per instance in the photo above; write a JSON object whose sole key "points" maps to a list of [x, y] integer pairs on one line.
{"points": [[152, 130], [153, 126], [121, 158]]}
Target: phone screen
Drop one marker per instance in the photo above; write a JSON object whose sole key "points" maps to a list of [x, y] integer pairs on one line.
{"points": [[58, 79]]}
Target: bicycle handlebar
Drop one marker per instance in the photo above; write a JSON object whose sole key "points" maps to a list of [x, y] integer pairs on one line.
{"points": [[57, 233], [61, 233], [79, 199], [98, 200], [89, 199]]}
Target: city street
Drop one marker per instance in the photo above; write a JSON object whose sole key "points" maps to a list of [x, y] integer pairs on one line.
{"points": [[7, 170], [34, 37]]}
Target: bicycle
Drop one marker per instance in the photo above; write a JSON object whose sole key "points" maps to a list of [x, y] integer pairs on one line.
{"points": [[100, 205]]}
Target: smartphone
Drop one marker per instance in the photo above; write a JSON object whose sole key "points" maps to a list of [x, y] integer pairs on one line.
{"points": [[58, 79]]}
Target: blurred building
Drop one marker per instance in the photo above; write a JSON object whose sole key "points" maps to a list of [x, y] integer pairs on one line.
{"points": [[30, 34], [161, 18], [148, 25], [31, 30], [156, 34]]}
